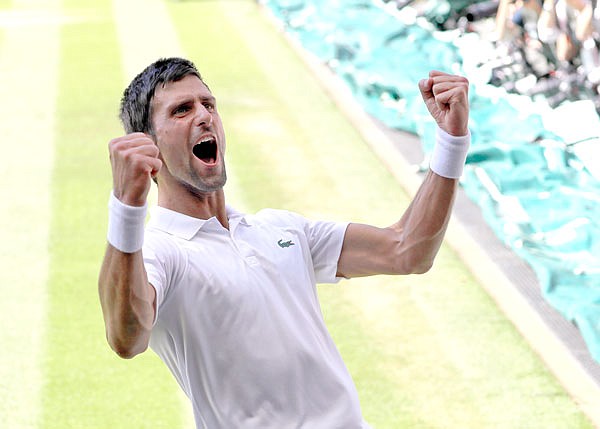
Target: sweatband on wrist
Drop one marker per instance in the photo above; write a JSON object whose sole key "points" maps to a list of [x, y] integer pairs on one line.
{"points": [[125, 225], [449, 154]]}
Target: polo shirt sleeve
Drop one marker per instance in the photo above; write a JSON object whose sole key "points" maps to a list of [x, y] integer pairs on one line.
{"points": [[162, 261], [325, 240]]}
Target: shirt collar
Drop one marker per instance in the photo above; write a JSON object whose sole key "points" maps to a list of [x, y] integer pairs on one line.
{"points": [[185, 226]]}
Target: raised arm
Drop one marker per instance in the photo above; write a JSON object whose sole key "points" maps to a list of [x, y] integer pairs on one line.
{"points": [[127, 299], [411, 244]]}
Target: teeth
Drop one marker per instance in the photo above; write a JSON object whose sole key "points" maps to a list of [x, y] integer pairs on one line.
{"points": [[206, 152]]}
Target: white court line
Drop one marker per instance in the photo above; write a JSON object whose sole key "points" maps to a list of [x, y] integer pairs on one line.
{"points": [[29, 68]]}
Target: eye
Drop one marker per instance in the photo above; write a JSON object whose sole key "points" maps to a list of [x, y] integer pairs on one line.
{"points": [[209, 106], [181, 110]]}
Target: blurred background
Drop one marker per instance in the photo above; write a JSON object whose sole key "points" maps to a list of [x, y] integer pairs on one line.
{"points": [[431, 351]]}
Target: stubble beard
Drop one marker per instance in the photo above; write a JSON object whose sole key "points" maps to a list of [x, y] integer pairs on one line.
{"points": [[201, 186]]}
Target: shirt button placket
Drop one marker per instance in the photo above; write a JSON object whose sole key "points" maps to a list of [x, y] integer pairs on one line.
{"points": [[244, 251]]}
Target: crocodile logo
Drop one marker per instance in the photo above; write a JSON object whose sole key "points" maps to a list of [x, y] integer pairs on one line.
{"points": [[284, 244]]}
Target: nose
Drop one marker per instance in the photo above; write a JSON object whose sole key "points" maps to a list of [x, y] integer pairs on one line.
{"points": [[203, 116]]}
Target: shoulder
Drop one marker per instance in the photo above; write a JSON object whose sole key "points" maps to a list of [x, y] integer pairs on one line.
{"points": [[163, 248], [314, 230], [277, 217], [159, 240]]}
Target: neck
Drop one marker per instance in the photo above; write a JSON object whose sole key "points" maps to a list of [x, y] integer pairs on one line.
{"points": [[201, 206]]}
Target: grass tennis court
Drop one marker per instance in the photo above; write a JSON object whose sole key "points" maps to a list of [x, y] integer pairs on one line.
{"points": [[429, 351]]}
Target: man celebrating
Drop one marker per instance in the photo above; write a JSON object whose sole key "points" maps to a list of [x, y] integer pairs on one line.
{"points": [[228, 300]]}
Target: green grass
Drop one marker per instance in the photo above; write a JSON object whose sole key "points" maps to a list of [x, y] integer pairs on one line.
{"points": [[428, 351], [88, 386]]}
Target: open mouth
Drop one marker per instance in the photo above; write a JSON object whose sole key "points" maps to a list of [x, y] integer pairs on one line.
{"points": [[206, 151]]}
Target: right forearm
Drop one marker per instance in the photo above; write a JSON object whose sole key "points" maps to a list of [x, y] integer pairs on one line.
{"points": [[127, 299], [127, 302]]}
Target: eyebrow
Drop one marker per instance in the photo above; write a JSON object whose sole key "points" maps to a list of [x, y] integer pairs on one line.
{"points": [[186, 100]]}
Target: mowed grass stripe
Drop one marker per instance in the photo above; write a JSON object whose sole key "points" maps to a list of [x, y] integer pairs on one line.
{"points": [[140, 41], [427, 351], [87, 385], [27, 130]]}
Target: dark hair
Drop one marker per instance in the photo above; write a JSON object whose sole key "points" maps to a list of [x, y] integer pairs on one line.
{"points": [[135, 111]]}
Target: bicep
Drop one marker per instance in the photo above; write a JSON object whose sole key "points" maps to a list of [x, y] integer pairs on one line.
{"points": [[369, 250]]}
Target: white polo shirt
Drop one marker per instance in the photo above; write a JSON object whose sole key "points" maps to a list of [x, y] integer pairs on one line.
{"points": [[239, 323]]}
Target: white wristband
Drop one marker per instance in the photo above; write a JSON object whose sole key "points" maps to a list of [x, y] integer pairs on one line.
{"points": [[125, 225], [449, 154]]}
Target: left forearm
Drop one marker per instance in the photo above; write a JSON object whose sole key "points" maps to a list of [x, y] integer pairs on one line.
{"points": [[423, 225], [421, 229]]}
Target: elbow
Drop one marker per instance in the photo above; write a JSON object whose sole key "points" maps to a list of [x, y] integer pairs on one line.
{"points": [[422, 267], [123, 352], [416, 259], [125, 348], [127, 352], [416, 265], [426, 251]]}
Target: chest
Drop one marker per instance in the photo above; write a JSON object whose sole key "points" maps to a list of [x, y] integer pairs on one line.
{"points": [[237, 278]]}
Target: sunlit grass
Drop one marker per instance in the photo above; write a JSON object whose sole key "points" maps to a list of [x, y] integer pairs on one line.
{"points": [[87, 385]]}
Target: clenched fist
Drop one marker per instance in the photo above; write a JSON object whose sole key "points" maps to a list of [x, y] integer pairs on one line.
{"points": [[135, 160], [447, 99]]}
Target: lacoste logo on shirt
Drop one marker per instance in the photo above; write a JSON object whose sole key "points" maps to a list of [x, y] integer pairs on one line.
{"points": [[284, 244]]}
